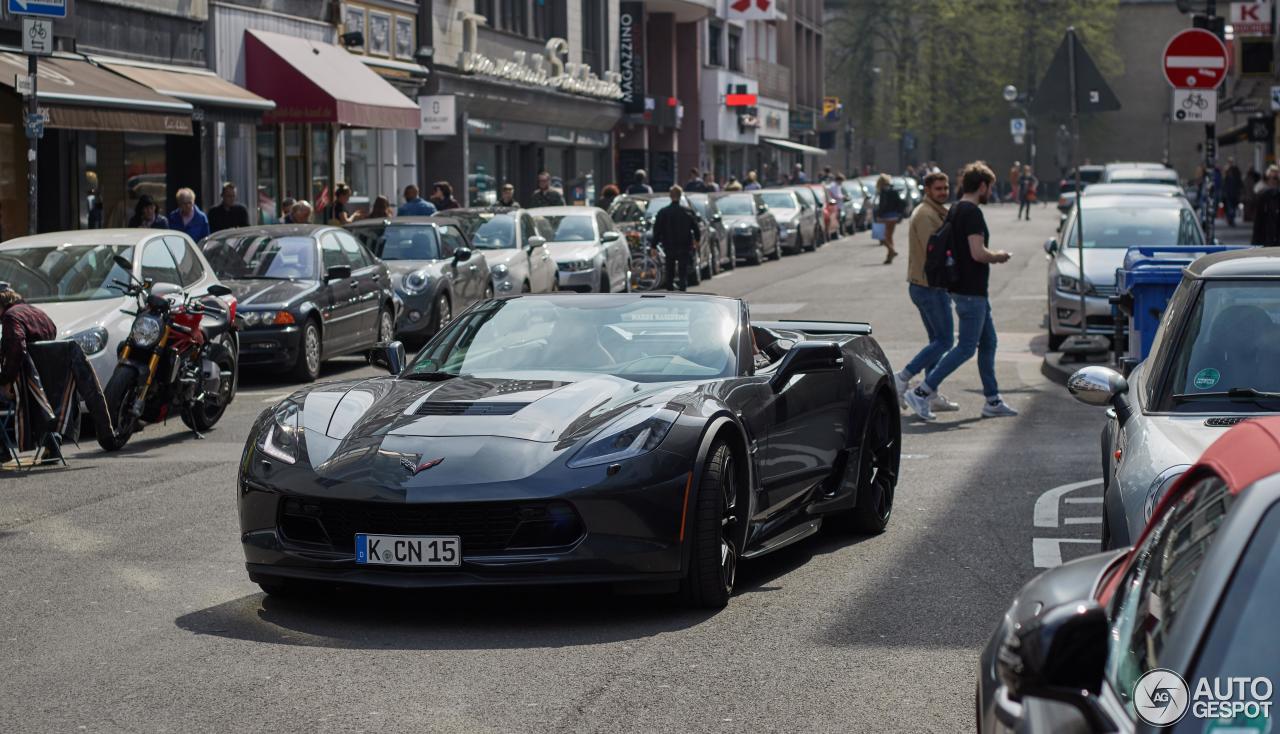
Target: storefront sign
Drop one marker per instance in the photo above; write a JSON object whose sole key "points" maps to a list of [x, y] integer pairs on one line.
{"points": [[1251, 18], [631, 58], [439, 115], [549, 70], [802, 121]]}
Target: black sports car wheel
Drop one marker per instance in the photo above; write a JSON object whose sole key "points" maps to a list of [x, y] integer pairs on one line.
{"points": [[877, 472], [715, 533]]}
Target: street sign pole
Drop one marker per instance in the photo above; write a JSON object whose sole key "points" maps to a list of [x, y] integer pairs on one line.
{"points": [[1211, 143], [37, 39], [33, 187], [1075, 147]]}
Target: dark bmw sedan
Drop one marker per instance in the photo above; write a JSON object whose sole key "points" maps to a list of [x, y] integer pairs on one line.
{"points": [[305, 293], [751, 227]]}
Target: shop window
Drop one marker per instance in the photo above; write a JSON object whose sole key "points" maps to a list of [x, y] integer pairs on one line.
{"points": [[735, 50], [595, 35], [511, 16], [295, 162], [550, 19], [321, 165], [485, 8], [143, 174], [355, 161], [715, 43], [268, 176]]}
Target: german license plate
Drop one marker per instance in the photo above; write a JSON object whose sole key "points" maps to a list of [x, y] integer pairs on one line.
{"points": [[408, 550]]}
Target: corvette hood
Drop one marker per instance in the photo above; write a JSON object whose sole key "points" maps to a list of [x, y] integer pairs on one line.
{"points": [[268, 292]]}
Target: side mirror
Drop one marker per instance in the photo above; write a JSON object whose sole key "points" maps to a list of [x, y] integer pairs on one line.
{"points": [[716, 217], [1059, 655], [462, 254], [536, 241], [218, 289], [762, 209], [338, 272], [1051, 246], [390, 356], [1097, 385], [123, 262], [610, 236], [807, 357]]}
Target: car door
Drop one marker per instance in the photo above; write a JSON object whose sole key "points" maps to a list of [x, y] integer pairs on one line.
{"points": [[542, 269], [615, 256], [467, 274], [339, 300], [367, 275], [157, 264]]}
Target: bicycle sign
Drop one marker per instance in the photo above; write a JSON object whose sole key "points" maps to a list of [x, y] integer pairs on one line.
{"points": [[37, 36], [1195, 105]]}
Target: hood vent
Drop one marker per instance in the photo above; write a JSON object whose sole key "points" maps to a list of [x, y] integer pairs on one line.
{"points": [[440, 407], [1225, 422]]}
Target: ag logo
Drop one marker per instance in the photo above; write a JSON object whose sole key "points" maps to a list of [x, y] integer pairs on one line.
{"points": [[1161, 697]]}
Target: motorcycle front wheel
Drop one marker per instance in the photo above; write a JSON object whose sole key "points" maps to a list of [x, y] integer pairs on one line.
{"points": [[121, 392]]}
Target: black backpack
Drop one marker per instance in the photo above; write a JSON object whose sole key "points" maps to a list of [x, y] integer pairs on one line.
{"points": [[940, 267]]}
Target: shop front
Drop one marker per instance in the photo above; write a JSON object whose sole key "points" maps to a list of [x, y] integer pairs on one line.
{"points": [[730, 122], [107, 141]]}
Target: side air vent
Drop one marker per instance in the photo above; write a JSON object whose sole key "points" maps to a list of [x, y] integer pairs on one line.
{"points": [[438, 407], [1224, 422]]}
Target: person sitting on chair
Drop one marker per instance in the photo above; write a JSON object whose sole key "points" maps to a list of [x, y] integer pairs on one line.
{"points": [[20, 324]]}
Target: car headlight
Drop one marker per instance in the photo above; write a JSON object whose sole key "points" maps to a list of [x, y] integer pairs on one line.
{"points": [[146, 331], [267, 318], [635, 433], [251, 318], [1072, 285], [91, 341], [575, 266], [282, 439], [416, 282], [1160, 487], [499, 271]]}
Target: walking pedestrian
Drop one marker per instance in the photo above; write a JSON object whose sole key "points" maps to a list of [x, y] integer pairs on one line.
{"points": [[889, 213], [1015, 173], [753, 182], [381, 208], [970, 237], [300, 212], [187, 217], [545, 195], [1266, 217], [147, 215], [607, 195], [798, 175], [676, 231], [1027, 185], [709, 184], [507, 196], [286, 206], [1232, 188], [337, 211], [1249, 196], [695, 184], [414, 205], [442, 196], [640, 183], [934, 304], [228, 214]]}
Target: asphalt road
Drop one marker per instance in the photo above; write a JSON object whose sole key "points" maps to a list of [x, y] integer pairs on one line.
{"points": [[124, 605]]}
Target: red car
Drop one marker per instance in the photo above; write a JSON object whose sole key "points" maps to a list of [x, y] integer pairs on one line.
{"points": [[1136, 639]]}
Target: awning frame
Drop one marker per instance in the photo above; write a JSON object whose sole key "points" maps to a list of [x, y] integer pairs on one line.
{"points": [[795, 147]]}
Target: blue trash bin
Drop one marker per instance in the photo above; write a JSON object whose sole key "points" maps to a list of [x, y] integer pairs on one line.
{"points": [[1147, 281]]}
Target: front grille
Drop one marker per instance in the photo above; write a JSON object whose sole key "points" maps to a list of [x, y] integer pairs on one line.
{"points": [[484, 527], [1224, 422], [1105, 290], [1106, 321], [436, 407]]}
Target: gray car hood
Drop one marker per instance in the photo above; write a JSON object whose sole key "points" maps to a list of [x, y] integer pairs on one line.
{"points": [[259, 293], [1100, 263]]}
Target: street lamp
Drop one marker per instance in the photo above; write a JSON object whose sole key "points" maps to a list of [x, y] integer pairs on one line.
{"points": [[1022, 100], [1010, 93]]}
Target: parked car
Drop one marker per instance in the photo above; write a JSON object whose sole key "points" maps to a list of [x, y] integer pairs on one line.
{"points": [[753, 228], [1155, 173], [818, 201], [910, 191], [715, 235], [856, 209], [434, 269], [1112, 224], [1089, 175], [589, 251], [72, 277], [1212, 365], [552, 439], [702, 254], [797, 219], [518, 258], [306, 293], [1123, 641]]}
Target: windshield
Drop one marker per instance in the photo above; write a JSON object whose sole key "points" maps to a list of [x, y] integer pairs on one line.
{"points": [[262, 256], [778, 200], [1138, 175], [651, 340], [699, 203], [571, 228], [1139, 226], [498, 232], [734, 205], [657, 205], [65, 273], [1231, 342], [403, 242]]}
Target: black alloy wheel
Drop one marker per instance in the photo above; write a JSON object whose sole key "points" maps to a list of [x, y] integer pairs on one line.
{"points": [[777, 250], [757, 251], [877, 468], [715, 533]]}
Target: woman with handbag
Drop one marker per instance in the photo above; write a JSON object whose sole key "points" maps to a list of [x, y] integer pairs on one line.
{"points": [[888, 213]]}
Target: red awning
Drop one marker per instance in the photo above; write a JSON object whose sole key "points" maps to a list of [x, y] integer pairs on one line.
{"points": [[314, 82]]}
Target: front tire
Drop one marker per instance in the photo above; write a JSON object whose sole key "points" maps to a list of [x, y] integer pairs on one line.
{"points": [[310, 347], [777, 251], [714, 533], [120, 394]]}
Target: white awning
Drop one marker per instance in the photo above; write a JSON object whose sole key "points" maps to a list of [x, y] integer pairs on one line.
{"points": [[795, 147]]}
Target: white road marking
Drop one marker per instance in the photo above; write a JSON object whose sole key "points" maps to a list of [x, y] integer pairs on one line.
{"points": [[1083, 500], [725, 274], [1047, 552], [1046, 511], [758, 309], [1082, 521]]}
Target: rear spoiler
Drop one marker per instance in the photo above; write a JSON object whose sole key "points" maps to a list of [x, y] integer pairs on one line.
{"points": [[819, 327]]}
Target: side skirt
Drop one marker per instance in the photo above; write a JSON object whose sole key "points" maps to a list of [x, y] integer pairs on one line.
{"points": [[786, 538]]}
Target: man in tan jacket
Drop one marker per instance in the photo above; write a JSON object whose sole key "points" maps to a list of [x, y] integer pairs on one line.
{"points": [[934, 304]]}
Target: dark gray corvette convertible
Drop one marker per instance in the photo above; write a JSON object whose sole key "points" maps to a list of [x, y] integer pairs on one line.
{"points": [[642, 440]]}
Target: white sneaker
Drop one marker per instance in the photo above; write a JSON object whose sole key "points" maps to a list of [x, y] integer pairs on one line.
{"points": [[997, 409], [903, 386], [943, 404], [920, 404]]}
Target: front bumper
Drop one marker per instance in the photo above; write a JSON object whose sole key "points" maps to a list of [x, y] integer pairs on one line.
{"points": [[629, 526], [1064, 314], [271, 346], [417, 316], [585, 281]]}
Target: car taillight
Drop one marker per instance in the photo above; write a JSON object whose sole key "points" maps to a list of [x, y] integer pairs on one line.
{"points": [[231, 309]]}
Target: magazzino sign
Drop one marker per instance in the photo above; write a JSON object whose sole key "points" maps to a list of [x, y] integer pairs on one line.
{"points": [[753, 10]]}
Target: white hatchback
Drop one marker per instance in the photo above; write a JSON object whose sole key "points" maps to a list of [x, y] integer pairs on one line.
{"points": [[71, 276]]}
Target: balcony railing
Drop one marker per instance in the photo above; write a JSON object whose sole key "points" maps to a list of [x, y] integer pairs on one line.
{"points": [[774, 79]]}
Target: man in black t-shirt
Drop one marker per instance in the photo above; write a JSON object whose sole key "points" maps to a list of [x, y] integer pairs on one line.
{"points": [[227, 214], [973, 308]]}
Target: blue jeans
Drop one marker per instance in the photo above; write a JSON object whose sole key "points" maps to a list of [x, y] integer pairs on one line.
{"points": [[934, 305], [977, 333]]}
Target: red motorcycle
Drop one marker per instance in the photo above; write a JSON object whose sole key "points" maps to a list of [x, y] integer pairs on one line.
{"points": [[179, 355]]}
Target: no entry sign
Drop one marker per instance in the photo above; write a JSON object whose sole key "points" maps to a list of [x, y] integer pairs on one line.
{"points": [[1195, 59]]}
